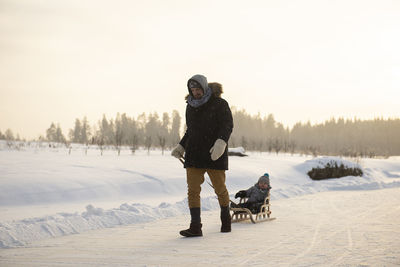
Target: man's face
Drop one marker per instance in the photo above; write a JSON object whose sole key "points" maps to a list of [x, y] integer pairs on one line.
{"points": [[197, 93]]}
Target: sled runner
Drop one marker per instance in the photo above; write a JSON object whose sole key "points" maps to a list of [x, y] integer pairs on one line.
{"points": [[242, 214]]}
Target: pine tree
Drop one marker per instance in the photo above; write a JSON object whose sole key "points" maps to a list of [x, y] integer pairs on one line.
{"points": [[76, 133], [59, 137], [84, 135], [9, 135], [51, 133], [175, 127]]}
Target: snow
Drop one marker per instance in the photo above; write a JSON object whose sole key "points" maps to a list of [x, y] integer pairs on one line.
{"points": [[321, 162], [237, 150], [47, 192], [345, 228]]}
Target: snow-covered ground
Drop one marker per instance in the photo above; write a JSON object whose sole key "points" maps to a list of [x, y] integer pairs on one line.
{"points": [[47, 192], [346, 228]]}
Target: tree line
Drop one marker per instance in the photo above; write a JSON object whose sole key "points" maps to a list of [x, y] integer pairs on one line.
{"points": [[345, 137], [340, 137], [144, 131]]}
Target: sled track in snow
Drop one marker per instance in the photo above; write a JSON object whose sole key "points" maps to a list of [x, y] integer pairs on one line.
{"points": [[332, 222]]}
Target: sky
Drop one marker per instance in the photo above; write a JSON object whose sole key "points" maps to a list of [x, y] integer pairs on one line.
{"points": [[307, 60]]}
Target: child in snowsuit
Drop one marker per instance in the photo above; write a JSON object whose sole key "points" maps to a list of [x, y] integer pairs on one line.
{"points": [[255, 194]]}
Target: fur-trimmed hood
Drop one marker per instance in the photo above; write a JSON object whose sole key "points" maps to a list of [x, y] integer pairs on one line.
{"points": [[216, 89]]}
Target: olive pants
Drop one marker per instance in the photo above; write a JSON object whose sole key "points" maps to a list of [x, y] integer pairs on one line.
{"points": [[195, 177]]}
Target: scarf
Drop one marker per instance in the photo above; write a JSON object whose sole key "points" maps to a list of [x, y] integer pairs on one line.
{"points": [[198, 102]]}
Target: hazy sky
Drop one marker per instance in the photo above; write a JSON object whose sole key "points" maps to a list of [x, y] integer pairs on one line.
{"points": [[300, 60]]}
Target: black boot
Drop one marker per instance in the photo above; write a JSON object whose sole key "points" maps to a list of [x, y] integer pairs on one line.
{"points": [[225, 220], [195, 224], [194, 230]]}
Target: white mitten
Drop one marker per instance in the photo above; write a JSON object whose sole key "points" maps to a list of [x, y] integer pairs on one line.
{"points": [[178, 151], [218, 149]]}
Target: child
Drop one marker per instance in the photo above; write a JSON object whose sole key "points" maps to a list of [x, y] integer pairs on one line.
{"points": [[255, 194]]}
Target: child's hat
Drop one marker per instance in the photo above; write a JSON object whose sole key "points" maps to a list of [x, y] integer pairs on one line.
{"points": [[264, 178]]}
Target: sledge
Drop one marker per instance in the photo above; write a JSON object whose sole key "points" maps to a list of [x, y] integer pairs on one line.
{"points": [[243, 214]]}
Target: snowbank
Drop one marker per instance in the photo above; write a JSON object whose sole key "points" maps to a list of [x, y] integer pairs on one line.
{"points": [[321, 162], [237, 150], [19, 233]]}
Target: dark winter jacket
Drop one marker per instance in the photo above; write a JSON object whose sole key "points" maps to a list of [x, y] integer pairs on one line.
{"points": [[256, 194], [205, 124]]}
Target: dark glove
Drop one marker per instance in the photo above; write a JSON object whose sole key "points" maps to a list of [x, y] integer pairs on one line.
{"points": [[240, 194]]}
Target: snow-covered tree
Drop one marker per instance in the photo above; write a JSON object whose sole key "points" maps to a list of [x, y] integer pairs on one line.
{"points": [[9, 135], [54, 134], [75, 134], [175, 128], [84, 131]]}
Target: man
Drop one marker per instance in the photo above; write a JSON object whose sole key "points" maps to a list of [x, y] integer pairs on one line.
{"points": [[209, 125]]}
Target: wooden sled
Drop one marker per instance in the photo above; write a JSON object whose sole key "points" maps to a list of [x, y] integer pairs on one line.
{"points": [[243, 214]]}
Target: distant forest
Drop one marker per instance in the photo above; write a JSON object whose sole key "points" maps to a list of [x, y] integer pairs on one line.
{"points": [[341, 137]]}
